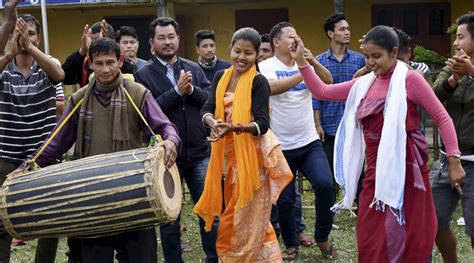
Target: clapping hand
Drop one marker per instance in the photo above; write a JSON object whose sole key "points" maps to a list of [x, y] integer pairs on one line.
{"points": [[461, 64], [16, 47], [24, 38], [185, 83]]}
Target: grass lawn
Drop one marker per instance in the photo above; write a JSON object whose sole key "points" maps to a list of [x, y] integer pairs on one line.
{"points": [[343, 238]]}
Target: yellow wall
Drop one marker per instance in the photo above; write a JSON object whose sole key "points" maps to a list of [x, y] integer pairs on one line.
{"points": [[66, 23], [305, 15]]}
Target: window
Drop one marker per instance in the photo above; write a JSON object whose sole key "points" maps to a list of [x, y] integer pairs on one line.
{"points": [[261, 19], [437, 26], [410, 21], [426, 23]]}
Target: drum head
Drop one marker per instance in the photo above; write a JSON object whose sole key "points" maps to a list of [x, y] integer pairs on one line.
{"points": [[166, 186]]}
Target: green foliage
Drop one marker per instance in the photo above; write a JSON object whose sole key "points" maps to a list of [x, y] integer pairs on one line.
{"points": [[343, 238], [452, 29], [428, 56]]}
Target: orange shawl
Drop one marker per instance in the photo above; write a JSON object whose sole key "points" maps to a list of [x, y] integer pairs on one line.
{"points": [[248, 176]]}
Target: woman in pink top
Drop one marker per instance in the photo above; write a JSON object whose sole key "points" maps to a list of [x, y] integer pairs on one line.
{"points": [[387, 233]]}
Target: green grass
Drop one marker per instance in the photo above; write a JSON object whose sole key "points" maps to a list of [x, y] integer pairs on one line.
{"points": [[343, 238]]}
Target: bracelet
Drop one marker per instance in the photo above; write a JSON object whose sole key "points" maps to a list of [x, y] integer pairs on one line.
{"points": [[241, 128], [204, 117]]}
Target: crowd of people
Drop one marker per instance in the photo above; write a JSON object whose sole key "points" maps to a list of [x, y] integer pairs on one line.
{"points": [[241, 130]]}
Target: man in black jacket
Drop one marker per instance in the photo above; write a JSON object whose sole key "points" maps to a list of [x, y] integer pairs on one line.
{"points": [[181, 89], [76, 67]]}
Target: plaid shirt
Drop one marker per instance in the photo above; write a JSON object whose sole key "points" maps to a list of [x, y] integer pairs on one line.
{"points": [[331, 111]]}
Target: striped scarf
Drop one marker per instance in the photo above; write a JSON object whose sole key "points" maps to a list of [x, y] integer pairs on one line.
{"points": [[118, 102]]}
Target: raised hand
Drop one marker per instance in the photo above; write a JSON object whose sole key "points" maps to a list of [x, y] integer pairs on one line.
{"points": [[24, 38], [297, 49], [16, 47], [104, 28], [10, 6], [308, 55], [86, 40]]}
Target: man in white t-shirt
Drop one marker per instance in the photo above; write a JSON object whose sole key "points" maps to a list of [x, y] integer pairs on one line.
{"points": [[293, 124]]}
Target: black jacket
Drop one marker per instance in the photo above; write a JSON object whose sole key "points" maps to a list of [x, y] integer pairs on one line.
{"points": [[183, 111], [74, 68], [260, 100]]}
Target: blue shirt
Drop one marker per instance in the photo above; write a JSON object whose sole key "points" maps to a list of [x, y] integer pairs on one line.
{"points": [[331, 111]]}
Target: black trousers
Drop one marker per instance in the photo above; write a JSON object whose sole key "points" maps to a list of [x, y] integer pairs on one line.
{"points": [[138, 246], [47, 248]]}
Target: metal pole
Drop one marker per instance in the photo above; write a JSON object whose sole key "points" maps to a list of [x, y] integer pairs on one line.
{"points": [[339, 6], [161, 8], [44, 20]]}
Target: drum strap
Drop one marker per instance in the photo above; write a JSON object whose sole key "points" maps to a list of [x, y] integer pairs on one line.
{"points": [[155, 137], [33, 161]]}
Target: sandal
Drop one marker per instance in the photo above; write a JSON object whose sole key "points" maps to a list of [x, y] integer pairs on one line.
{"points": [[328, 253], [306, 240], [290, 254]]}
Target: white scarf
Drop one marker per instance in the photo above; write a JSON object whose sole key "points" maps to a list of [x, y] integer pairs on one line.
{"points": [[391, 156]]}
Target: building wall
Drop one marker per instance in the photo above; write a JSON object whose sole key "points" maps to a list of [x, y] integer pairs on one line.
{"points": [[66, 22]]}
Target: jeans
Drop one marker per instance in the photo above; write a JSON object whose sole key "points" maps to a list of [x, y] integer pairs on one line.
{"points": [[300, 225], [311, 162], [195, 175]]}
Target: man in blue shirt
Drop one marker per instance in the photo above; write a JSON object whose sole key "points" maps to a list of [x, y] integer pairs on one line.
{"points": [[342, 63]]}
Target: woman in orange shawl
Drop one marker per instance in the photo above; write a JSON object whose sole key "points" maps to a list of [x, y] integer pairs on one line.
{"points": [[256, 171]]}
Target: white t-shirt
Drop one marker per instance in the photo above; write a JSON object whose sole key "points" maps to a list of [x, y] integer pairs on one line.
{"points": [[291, 116]]}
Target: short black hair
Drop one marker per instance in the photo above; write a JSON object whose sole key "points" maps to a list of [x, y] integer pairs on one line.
{"points": [[204, 34], [126, 31], [249, 34], [96, 27], [29, 19], [265, 38], [467, 19], [162, 21], [331, 22], [383, 36], [404, 41], [104, 46], [276, 31]]}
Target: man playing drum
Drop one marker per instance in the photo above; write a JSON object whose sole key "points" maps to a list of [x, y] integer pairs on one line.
{"points": [[107, 122]]}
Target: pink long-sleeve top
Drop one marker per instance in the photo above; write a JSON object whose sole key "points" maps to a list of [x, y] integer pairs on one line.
{"points": [[418, 91]]}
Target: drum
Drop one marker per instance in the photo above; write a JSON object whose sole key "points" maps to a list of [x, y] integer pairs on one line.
{"points": [[95, 196]]}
